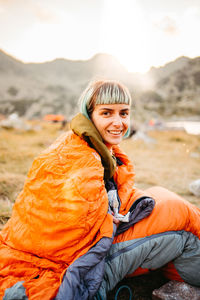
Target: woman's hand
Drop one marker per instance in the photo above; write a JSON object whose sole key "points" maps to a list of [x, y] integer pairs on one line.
{"points": [[116, 221]]}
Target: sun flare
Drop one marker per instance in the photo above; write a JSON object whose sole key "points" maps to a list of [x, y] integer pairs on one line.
{"points": [[123, 33], [140, 34]]}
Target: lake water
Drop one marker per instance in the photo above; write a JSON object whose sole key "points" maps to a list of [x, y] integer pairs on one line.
{"points": [[192, 127]]}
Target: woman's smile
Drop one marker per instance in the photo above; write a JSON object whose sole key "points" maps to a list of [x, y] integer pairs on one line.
{"points": [[115, 132]]}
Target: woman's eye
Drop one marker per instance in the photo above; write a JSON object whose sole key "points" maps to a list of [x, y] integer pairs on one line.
{"points": [[124, 114], [106, 113]]}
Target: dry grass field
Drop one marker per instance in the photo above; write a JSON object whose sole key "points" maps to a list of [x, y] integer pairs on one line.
{"points": [[172, 160]]}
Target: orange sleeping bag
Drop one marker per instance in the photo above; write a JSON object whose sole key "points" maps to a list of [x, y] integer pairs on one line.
{"points": [[63, 211]]}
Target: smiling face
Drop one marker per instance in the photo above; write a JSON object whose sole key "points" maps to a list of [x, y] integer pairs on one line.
{"points": [[112, 122]]}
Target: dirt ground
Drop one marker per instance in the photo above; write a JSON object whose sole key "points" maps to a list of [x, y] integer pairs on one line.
{"points": [[169, 158]]}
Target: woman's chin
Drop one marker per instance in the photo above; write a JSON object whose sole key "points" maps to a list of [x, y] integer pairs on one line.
{"points": [[112, 142]]}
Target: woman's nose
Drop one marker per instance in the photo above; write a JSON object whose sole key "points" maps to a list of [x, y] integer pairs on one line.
{"points": [[117, 121]]}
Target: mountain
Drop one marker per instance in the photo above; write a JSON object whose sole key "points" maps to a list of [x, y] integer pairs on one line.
{"points": [[171, 91], [169, 68], [181, 89], [36, 89]]}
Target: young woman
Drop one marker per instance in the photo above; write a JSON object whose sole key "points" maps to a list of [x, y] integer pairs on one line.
{"points": [[79, 226]]}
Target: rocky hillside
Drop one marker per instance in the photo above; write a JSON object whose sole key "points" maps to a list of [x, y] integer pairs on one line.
{"points": [[176, 89], [33, 90], [181, 90]]}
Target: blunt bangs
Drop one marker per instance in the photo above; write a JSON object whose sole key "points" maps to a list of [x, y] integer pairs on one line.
{"points": [[111, 93]]}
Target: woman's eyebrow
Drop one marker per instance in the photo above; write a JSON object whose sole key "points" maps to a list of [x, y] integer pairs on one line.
{"points": [[105, 108], [125, 109]]}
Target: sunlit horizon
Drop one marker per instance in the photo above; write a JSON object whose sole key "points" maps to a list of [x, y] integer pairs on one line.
{"points": [[50, 59], [140, 34]]}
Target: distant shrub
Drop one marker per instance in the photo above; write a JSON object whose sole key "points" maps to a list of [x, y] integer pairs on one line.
{"points": [[181, 81], [177, 139], [13, 91], [178, 98], [196, 77]]}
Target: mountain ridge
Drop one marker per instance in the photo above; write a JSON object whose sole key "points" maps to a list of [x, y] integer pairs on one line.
{"points": [[35, 89]]}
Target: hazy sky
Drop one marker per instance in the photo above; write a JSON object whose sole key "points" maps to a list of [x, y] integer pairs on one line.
{"points": [[139, 33]]}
